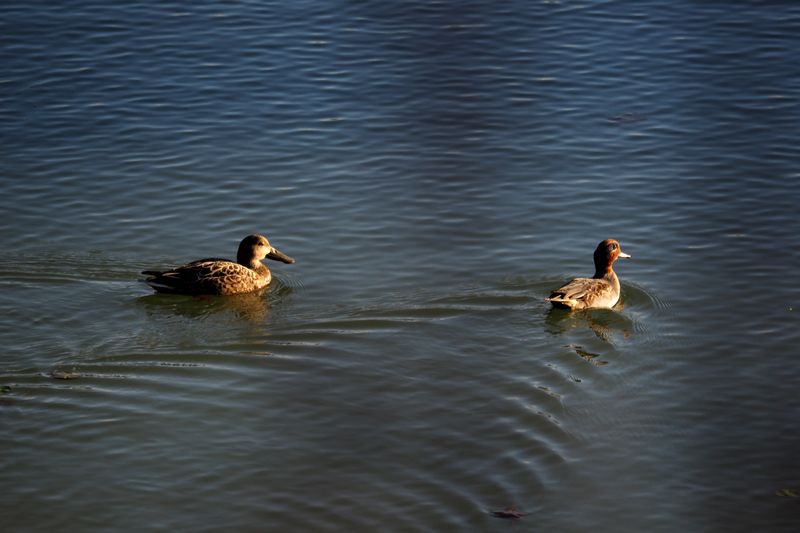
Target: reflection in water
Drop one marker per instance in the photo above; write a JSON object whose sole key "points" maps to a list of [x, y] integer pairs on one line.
{"points": [[605, 323], [253, 306], [588, 356]]}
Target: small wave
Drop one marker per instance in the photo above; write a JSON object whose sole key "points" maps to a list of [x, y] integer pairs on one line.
{"points": [[634, 294]]}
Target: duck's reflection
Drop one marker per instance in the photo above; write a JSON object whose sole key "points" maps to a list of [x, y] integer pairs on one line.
{"points": [[251, 306], [589, 357], [607, 324]]}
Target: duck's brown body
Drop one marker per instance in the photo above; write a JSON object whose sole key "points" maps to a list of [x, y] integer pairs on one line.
{"points": [[600, 291], [221, 276]]}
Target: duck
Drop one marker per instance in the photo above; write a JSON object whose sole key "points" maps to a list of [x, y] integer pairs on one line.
{"points": [[601, 291], [215, 276]]}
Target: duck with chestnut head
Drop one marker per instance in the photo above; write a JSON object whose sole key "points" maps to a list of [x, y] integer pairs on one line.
{"points": [[601, 290]]}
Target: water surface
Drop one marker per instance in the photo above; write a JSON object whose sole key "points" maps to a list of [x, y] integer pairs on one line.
{"points": [[435, 168]]}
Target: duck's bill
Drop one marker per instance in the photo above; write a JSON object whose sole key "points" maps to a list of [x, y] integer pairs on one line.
{"points": [[277, 255], [621, 254]]}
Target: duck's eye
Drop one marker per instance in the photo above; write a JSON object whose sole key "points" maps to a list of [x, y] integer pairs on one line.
{"points": [[613, 246]]}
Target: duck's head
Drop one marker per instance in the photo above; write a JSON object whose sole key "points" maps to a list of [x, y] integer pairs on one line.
{"points": [[257, 247], [606, 253]]}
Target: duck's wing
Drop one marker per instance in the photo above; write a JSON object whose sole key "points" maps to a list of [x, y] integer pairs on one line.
{"points": [[192, 264], [581, 293], [206, 276], [209, 260]]}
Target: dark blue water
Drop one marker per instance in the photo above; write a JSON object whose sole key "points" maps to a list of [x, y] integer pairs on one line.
{"points": [[436, 168]]}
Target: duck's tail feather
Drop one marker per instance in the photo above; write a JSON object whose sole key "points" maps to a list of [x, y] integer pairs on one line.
{"points": [[561, 301], [158, 286]]}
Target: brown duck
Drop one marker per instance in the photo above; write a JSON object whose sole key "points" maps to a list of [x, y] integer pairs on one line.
{"points": [[221, 276], [599, 291]]}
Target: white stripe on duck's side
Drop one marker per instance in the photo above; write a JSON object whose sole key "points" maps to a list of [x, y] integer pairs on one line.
{"points": [[600, 291]]}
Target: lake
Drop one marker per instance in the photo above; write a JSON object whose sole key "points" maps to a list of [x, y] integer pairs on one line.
{"points": [[436, 169]]}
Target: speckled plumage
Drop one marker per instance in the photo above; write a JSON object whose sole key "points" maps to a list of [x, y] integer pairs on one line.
{"points": [[221, 276], [600, 291]]}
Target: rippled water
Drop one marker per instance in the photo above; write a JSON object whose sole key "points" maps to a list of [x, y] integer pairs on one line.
{"points": [[435, 168]]}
